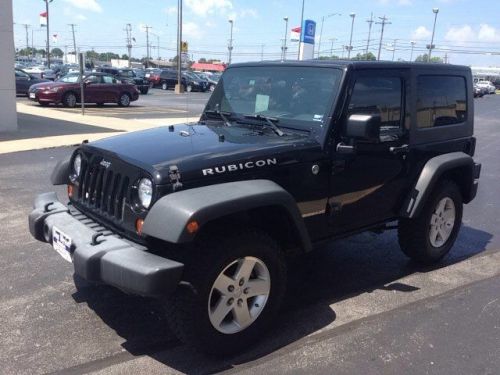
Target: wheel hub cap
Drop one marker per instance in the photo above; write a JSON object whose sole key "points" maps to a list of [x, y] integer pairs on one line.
{"points": [[238, 295], [442, 222]]}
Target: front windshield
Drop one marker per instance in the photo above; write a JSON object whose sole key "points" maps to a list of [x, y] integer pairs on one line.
{"points": [[69, 78], [297, 96]]}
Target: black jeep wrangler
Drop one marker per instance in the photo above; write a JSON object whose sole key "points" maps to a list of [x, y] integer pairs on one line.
{"points": [[127, 76], [285, 155]]}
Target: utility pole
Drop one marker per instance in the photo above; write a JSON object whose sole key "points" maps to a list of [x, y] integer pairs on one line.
{"points": [[32, 45], [394, 49], [384, 21], [370, 22], [147, 44], [283, 55], [230, 45], [301, 28], [331, 47], [128, 30], [26, 26], [412, 47], [48, 32], [74, 40], [349, 48], [66, 54]]}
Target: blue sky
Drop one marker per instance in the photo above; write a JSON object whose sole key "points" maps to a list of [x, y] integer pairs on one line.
{"points": [[462, 25]]}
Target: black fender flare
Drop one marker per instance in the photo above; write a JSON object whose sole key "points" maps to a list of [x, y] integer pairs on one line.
{"points": [[169, 216], [433, 169], [60, 174]]}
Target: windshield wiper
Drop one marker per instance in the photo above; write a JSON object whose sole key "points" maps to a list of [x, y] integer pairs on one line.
{"points": [[269, 120], [223, 115]]}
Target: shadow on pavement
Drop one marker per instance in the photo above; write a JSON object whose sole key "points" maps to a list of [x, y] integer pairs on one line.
{"points": [[338, 271], [32, 126]]}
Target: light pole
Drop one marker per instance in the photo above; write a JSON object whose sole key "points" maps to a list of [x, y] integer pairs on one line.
{"points": [[394, 49], [412, 46], [301, 28], [74, 40], [283, 55], [349, 47], [179, 89], [230, 45], [435, 11], [48, 32], [321, 29], [331, 47]]}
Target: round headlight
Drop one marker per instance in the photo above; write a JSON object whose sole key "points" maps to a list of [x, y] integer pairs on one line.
{"points": [[145, 192], [77, 165]]}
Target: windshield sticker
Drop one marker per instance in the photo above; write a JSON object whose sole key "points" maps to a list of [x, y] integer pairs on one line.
{"points": [[318, 118], [261, 103]]}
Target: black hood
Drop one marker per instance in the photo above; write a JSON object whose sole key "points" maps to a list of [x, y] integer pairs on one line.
{"points": [[204, 151]]}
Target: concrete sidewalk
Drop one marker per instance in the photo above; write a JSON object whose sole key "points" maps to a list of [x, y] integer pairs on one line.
{"points": [[45, 128]]}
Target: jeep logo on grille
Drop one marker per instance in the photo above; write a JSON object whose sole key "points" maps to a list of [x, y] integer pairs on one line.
{"points": [[105, 163], [239, 166]]}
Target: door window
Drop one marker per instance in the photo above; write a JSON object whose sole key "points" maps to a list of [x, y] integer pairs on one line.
{"points": [[109, 79], [378, 96], [441, 101]]}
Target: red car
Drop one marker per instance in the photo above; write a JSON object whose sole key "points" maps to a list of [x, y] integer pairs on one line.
{"points": [[99, 88]]}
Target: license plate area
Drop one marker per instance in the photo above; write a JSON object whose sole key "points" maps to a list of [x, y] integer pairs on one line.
{"points": [[32, 95], [61, 243]]}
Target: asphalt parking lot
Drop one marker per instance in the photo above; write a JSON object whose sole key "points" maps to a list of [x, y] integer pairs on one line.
{"points": [[156, 104], [355, 306]]}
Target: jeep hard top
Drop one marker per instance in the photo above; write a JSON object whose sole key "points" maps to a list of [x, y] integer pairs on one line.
{"points": [[285, 155]]}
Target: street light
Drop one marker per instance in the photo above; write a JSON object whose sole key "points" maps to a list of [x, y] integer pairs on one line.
{"points": [[283, 55], [230, 46], [349, 47], [301, 28], [321, 29], [435, 11]]}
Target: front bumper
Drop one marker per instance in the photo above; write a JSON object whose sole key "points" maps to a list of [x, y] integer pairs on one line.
{"points": [[99, 256]]}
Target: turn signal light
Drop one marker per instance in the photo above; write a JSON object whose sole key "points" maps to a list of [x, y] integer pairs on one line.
{"points": [[192, 227], [138, 225], [70, 190]]}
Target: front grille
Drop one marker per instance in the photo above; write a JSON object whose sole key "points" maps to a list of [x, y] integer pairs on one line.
{"points": [[103, 190]]}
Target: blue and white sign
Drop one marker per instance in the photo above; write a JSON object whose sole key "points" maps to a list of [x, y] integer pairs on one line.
{"points": [[309, 31]]}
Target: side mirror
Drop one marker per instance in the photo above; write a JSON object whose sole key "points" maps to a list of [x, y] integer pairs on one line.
{"points": [[363, 127]]}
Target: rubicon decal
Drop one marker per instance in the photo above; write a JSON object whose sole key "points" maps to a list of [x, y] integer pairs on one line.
{"points": [[239, 166]]}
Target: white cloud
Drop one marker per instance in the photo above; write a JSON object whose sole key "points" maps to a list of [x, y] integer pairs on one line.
{"points": [[460, 34], [488, 33], [209, 7], [246, 13], [91, 5], [170, 10], [191, 30], [80, 17], [421, 32]]}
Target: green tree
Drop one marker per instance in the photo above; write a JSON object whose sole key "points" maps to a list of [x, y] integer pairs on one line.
{"points": [[202, 60], [334, 57], [365, 57], [425, 58], [56, 52], [92, 55], [124, 56]]}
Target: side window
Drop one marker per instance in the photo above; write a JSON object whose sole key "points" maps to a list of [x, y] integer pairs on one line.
{"points": [[441, 101], [378, 96], [108, 79], [93, 79]]}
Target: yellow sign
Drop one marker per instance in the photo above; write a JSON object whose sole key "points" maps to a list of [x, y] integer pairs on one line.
{"points": [[184, 46]]}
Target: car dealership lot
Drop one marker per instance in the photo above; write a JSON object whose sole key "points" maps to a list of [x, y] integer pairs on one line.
{"points": [[355, 306], [156, 104]]}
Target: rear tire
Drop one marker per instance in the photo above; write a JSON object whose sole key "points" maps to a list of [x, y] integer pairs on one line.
{"points": [[189, 88], [69, 100], [164, 86], [428, 237], [228, 321]]}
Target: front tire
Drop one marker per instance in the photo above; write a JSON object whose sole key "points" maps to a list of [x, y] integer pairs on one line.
{"points": [[124, 100], [164, 86], [430, 236], [238, 283], [189, 88], [69, 100]]}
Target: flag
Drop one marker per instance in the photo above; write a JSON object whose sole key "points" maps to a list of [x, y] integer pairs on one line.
{"points": [[43, 19], [295, 34]]}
